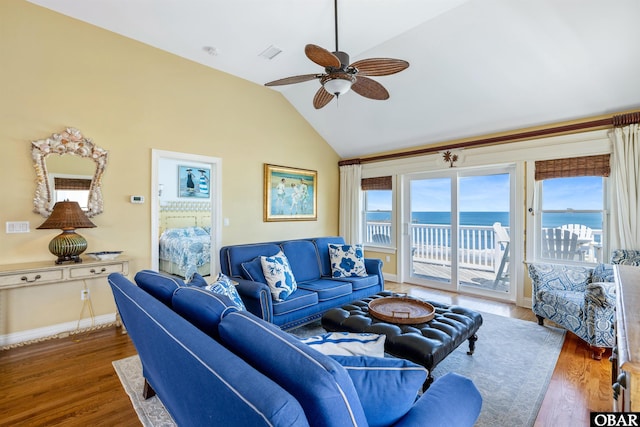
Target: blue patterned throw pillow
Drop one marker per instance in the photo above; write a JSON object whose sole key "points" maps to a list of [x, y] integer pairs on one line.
{"points": [[279, 276], [347, 260], [225, 286]]}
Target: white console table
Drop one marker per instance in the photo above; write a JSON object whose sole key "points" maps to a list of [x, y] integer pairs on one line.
{"points": [[44, 298], [46, 272]]}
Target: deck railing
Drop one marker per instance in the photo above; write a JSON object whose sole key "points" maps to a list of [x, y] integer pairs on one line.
{"points": [[431, 243]]}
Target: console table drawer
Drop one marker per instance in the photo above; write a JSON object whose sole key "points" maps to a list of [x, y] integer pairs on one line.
{"points": [[30, 277], [92, 271]]}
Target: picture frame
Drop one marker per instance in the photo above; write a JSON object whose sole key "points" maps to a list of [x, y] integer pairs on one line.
{"points": [[290, 194], [194, 182]]}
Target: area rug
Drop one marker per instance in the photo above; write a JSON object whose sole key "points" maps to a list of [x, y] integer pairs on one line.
{"points": [[512, 366]]}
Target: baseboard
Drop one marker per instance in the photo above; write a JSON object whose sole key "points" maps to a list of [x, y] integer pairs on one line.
{"points": [[390, 277], [59, 330]]}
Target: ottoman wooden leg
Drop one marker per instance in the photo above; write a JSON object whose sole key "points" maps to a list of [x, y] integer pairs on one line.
{"points": [[472, 344], [427, 382]]}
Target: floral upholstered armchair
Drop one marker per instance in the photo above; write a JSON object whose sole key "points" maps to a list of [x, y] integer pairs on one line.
{"points": [[626, 257], [579, 299]]}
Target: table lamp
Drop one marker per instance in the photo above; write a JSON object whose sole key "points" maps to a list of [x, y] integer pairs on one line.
{"points": [[68, 245]]}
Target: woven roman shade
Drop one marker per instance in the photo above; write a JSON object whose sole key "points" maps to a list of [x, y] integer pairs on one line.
{"points": [[575, 166], [72, 184], [377, 183]]}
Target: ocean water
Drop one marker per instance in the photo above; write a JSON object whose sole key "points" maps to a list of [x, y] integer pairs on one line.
{"points": [[487, 219], [549, 220]]}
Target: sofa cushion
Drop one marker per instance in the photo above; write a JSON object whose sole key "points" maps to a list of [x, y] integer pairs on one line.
{"points": [[376, 379], [202, 308], [319, 383], [358, 283], [279, 276], [348, 344], [303, 259], [252, 270], [327, 289], [347, 260], [322, 246], [227, 287], [298, 300], [161, 286]]}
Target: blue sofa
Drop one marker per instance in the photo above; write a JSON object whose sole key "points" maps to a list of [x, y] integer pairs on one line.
{"points": [[318, 290], [210, 364]]}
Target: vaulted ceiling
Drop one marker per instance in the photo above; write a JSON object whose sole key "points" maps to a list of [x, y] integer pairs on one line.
{"points": [[476, 66]]}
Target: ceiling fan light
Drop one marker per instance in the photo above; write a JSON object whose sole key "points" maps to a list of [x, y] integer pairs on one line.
{"points": [[337, 86]]}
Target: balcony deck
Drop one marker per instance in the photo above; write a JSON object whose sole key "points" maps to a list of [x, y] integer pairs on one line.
{"points": [[466, 276]]}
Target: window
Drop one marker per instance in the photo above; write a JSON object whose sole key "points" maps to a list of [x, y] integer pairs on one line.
{"points": [[378, 211], [571, 224], [72, 188]]}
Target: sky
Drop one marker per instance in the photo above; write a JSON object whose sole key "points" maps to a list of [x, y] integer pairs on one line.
{"points": [[490, 193]]}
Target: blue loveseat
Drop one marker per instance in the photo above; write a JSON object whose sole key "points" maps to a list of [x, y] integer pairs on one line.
{"points": [[310, 261], [211, 364]]}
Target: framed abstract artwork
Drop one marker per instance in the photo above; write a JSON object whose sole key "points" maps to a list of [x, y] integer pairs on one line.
{"points": [[194, 182], [290, 194]]}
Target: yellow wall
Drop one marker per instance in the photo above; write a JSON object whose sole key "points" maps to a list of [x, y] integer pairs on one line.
{"points": [[129, 98]]}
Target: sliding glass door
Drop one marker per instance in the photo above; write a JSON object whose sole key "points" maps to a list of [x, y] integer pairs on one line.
{"points": [[458, 230], [430, 228]]}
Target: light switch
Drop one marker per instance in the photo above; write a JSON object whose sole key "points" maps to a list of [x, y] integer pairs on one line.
{"points": [[225, 222], [17, 227]]}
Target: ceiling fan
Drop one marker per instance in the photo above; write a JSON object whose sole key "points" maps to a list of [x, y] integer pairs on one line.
{"points": [[339, 76]]}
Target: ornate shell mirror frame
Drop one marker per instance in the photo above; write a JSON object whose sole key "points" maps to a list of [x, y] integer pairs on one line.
{"points": [[71, 143]]}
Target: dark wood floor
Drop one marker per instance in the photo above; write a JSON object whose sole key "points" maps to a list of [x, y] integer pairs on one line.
{"points": [[71, 381]]}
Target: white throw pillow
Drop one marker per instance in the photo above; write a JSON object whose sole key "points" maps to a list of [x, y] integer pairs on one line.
{"points": [[347, 344], [347, 260], [279, 276]]}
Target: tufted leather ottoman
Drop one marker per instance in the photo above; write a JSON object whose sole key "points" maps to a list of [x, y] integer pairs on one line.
{"points": [[426, 343]]}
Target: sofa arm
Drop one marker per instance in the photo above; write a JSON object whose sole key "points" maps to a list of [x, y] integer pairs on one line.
{"points": [[256, 297], [559, 277], [452, 400], [374, 268]]}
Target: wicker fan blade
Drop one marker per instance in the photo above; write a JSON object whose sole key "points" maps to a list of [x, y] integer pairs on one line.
{"points": [[294, 79], [369, 88], [321, 56], [379, 66], [322, 98]]}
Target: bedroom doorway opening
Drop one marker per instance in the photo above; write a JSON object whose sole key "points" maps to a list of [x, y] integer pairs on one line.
{"points": [[186, 211]]}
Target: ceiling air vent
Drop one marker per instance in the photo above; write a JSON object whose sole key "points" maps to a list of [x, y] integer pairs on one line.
{"points": [[270, 52]]}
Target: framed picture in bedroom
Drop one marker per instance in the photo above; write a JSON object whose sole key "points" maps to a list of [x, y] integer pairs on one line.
{"points": [[290, 194], [194, 182]]}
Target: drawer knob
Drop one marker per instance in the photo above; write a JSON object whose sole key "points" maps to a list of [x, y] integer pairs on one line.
{"points": [[93, 270], [26, 279]]}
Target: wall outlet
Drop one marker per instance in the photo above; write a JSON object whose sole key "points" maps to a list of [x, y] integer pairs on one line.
{"points": [[84, 294], [388, 258]]}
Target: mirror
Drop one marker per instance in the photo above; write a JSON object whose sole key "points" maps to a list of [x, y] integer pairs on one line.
{"points": [[72, 157]]}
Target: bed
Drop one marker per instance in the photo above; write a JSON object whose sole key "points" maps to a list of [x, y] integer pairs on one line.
{"points": [[185, 238]]}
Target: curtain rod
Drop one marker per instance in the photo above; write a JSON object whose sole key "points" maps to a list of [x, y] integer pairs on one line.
{"points": [[617, 120]]}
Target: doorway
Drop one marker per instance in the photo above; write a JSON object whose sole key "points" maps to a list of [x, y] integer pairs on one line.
{"points": [[186, 199], [457, 227]]}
